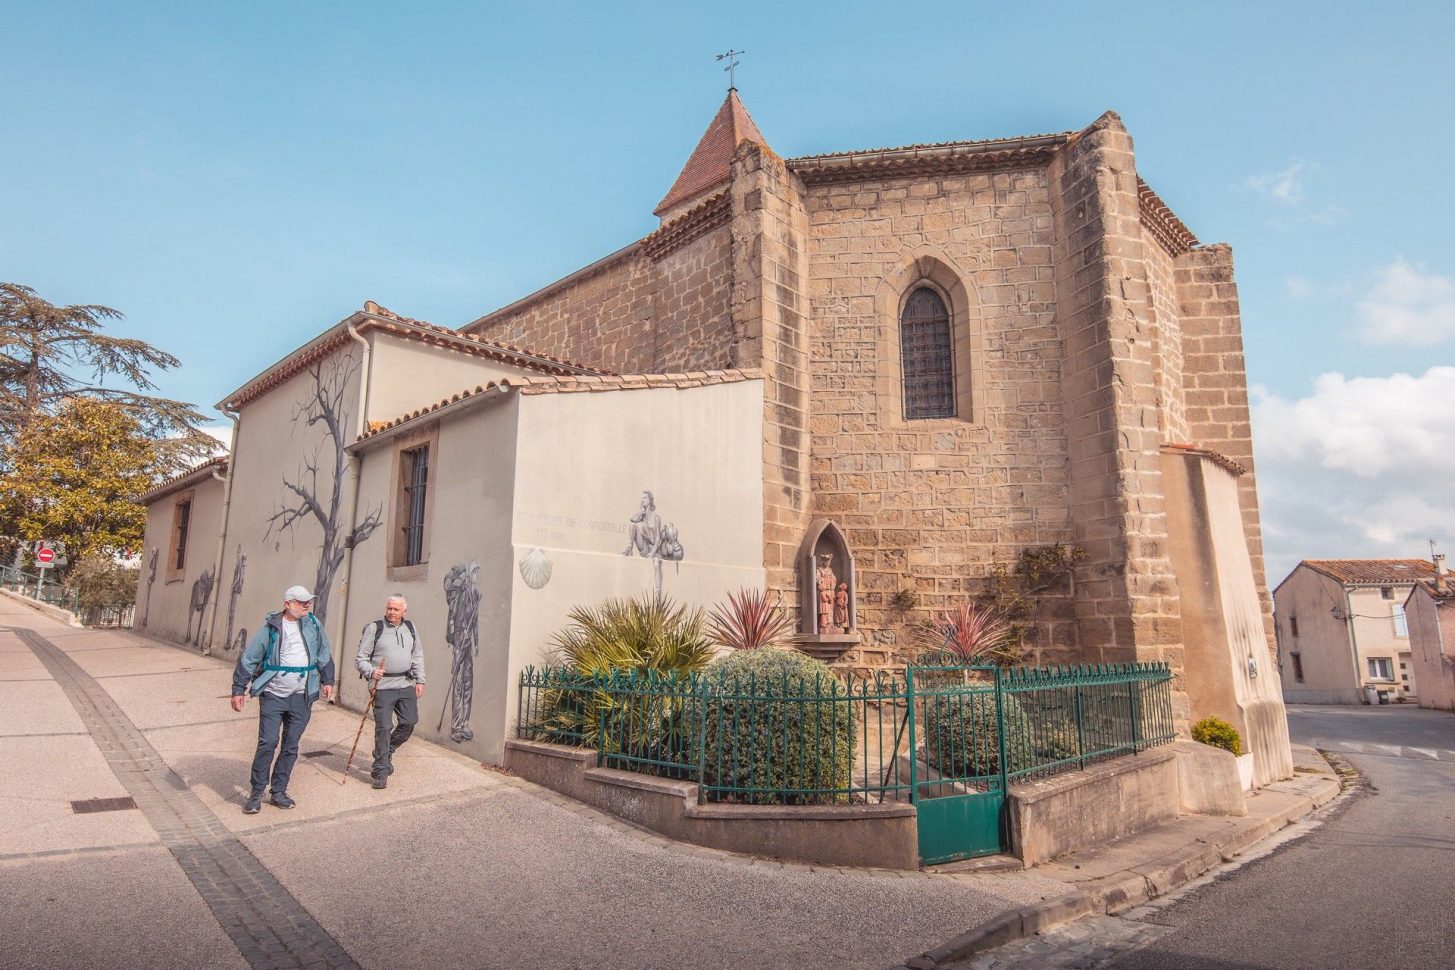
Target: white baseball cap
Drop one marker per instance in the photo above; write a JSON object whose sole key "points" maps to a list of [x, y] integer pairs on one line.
{"points": [[299, 593]]}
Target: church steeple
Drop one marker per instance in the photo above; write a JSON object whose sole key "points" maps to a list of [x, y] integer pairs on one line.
{"points": [[711, 162]]}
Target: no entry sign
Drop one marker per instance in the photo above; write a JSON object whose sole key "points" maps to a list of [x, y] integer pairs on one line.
{"points": [[45, 555]]}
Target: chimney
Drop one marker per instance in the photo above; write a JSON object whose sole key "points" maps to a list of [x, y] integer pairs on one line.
{"points": [[1441, 584]]}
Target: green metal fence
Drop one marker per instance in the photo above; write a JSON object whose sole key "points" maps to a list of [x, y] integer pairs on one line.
{"points": [[38, 587], [855, 740]]}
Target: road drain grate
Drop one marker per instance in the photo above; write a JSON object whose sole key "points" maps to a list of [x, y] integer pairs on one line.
{"points": [[88, 805]]}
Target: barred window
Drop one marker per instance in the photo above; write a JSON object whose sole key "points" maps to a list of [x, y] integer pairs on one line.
{"points": [[416, 470], [927, 356]]}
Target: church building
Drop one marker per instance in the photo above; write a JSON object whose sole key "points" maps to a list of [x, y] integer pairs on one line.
{"points": [[921, 371]]}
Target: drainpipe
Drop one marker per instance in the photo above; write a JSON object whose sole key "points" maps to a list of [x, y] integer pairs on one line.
{"points": [[234, 417], [1353, 650], [356, 464]]}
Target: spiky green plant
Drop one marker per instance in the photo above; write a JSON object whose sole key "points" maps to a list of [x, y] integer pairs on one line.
{"points": [[646, 640], [749, 621]]}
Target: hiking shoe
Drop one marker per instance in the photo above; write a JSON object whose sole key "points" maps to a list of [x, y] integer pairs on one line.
{"points": [[282, 800], [254, 804], [381, 781]]}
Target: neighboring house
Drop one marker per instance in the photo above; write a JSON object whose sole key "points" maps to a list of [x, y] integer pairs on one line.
{"points": [[1430, 611], [918, 362], [1343, 636]]}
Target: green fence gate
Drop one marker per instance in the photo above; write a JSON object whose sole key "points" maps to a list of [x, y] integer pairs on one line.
{"points": [[957, 774]]}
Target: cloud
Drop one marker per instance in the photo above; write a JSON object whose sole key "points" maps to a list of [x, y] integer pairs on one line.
{"points": [[1294, 195], [1360, 468], [1408, 306], [1282, 188]]}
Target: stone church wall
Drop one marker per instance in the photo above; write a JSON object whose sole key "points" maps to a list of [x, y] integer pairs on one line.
{"points": [[930, 505], [1217, 383], [1166, 312], [632, 313]]}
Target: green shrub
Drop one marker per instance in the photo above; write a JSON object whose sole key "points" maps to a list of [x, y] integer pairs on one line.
{"points": [[760, 737], [1218, 733], [961, 741]]}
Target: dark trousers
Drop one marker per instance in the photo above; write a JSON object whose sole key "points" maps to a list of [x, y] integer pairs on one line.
{"points": [[290, 716], [397, 703]]}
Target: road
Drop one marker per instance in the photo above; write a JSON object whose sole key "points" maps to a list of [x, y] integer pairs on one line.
{"points": [[1372, 884]]}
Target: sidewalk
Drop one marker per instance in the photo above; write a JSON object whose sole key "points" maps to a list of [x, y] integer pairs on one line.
{"points": [[451, 865]]}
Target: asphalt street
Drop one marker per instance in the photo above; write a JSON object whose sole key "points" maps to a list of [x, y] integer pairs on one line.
{"points": [[1372, 886]]}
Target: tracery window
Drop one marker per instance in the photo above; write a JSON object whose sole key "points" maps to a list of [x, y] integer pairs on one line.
{"points": [[927, 356]]}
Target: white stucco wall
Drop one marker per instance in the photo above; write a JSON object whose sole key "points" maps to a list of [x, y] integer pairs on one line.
{"points": [[561, 473], [1329, 674], [162, 603]]}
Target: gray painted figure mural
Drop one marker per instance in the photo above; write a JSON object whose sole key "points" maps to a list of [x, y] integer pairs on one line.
{"points": [[201, 593], [316, 491], [651, 538], [151, 578], [239, 568], [462, 633]]}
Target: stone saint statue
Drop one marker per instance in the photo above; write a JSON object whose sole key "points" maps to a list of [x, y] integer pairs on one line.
{"points": [[841, 608], [826, 582]]}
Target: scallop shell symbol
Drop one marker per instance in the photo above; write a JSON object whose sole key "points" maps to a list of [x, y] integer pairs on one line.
{"points": [[535, 569]]}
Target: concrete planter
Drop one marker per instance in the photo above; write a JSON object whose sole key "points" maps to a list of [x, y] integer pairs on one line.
{"points": [[1245, 771]]}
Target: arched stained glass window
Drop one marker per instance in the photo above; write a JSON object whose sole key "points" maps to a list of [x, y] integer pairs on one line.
{"points": [[927, 356]]}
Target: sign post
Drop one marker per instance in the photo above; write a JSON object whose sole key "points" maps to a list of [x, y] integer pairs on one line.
{"points": [[45, 557]]}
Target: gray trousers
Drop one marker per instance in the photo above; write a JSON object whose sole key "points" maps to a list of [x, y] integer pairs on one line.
{"points": [[397, 703]]}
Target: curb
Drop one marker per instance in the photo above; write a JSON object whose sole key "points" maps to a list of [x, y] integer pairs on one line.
{"points": [[1123, 890]]}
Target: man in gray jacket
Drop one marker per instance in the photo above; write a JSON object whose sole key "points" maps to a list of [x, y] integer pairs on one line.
{"points": [[391, 655]]}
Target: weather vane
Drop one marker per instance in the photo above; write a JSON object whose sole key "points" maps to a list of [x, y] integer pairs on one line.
{"points": [[732, 58]]}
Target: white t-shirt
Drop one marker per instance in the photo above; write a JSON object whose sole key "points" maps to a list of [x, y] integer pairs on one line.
{"points": [[291, 653]]}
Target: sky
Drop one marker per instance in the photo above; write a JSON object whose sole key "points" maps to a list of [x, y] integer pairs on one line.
{"points": [[237, 178]]}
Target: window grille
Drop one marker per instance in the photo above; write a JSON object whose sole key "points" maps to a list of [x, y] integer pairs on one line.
{"points": [[1297, 667], [927, 356], [183, 519], [416, 482]]}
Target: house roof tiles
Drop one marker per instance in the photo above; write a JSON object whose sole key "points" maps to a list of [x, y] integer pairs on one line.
{"points": [[183, 480], [1373, 572], [567, 384], [711, 162]]}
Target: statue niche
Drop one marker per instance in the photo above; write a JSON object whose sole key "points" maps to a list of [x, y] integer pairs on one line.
{"points": [[827, 587]]}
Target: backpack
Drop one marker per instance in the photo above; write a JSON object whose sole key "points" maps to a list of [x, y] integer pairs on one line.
{"points": [[379, 627]]}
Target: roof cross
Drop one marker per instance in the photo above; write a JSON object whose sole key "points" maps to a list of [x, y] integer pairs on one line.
{"points": [[732, 58]]}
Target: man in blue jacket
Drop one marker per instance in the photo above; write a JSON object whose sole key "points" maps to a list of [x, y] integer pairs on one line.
{"points": [[284, 665]]}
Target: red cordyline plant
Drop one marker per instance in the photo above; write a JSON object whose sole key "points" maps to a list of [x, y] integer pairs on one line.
{"points": [[749, 620], [971, 633]]}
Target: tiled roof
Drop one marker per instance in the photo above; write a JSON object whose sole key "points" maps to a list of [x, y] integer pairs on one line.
{"points": [[183, 480], [1373, 572], [711, 162], [375, 317], [1428, 585], [1213, 456], [1162, 222], [569, 385]]}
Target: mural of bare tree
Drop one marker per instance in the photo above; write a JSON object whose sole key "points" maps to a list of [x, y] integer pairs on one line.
{"points": [[151, 578], [462, 633], [316, 491], [239, 567], [201, 593]]}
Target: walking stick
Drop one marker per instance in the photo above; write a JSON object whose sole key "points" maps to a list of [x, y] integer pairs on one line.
{"points": [[360, 732]]}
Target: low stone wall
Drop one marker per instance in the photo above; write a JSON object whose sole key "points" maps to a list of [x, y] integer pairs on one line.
{"points": [[1046, 818], [1053, 816], [54, 612], [883, 836]]}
